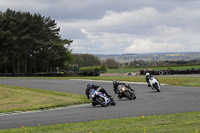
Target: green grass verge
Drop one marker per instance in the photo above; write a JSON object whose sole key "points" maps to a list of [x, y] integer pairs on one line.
{"points": [[133, 69], [177, 81], [13, 98], [171, 123]]}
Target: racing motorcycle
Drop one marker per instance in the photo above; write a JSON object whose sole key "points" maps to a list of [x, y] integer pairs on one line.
{"points": [[154, 84], [125, 92], [99, 98]]}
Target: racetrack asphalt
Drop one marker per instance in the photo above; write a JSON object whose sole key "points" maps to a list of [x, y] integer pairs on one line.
{"points": [[171, 99]]}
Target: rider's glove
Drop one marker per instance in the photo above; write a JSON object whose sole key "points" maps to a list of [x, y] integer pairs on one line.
{"points": [[99, 88]]}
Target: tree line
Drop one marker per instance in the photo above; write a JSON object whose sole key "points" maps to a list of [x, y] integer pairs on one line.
{"points": [[84, 60], [31, 43]]}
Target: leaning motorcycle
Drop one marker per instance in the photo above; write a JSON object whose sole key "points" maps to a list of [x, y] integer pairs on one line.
{"points": [[125, 92], [154, 84], [99, 98]]}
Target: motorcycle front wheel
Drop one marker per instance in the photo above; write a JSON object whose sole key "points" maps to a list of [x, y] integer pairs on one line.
{"points": [[101, 101], [157, 87], [129, 95], [133, 94]]}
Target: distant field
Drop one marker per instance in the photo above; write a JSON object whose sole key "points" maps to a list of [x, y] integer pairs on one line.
{"points": [[133, 69]]}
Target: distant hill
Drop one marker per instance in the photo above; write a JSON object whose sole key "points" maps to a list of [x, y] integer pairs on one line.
{"points": [[169, 56]]}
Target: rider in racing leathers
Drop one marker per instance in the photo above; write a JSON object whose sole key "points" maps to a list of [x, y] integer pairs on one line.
{"points": [[148, 76], [96, 87], [115, 87]]}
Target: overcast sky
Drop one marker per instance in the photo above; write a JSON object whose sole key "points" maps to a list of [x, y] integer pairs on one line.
{"points": [[121, 26]]}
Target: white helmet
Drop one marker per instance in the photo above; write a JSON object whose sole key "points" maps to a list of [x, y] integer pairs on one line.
{"points": [[147, 74]]}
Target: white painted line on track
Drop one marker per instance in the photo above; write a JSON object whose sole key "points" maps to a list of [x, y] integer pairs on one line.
{"points": [[142, 83], [108, 81], [45, 110]]}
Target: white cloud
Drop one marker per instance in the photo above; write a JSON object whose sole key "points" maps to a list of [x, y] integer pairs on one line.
{"points": [[121, 26], [148, 46], [137, 31], [97, 42]]}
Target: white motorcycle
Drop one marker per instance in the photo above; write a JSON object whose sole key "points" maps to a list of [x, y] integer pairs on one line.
{"points": [[154, 84]]}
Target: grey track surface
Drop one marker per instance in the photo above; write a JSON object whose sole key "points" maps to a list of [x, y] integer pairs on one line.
{"points": [[171, 99]]}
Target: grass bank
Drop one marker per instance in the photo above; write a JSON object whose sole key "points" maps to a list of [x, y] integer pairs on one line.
{"points": [[171, 123], [177, 81], [13, 98]]}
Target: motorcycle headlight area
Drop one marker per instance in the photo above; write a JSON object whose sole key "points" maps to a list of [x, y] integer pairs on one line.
{"points": [[123, 88], [93, 95]]}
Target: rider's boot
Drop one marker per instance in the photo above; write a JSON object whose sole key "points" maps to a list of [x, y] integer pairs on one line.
{"points": [[115, 90], [149, 85], [119, 96]]}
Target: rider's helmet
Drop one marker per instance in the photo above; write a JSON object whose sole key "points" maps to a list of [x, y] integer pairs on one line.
{"points": [[147, 75], [89, 85], [115, 83]]}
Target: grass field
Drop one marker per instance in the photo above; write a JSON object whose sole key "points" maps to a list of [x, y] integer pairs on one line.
{"points": [[13, 98], [171, 123], [133, 69]]}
